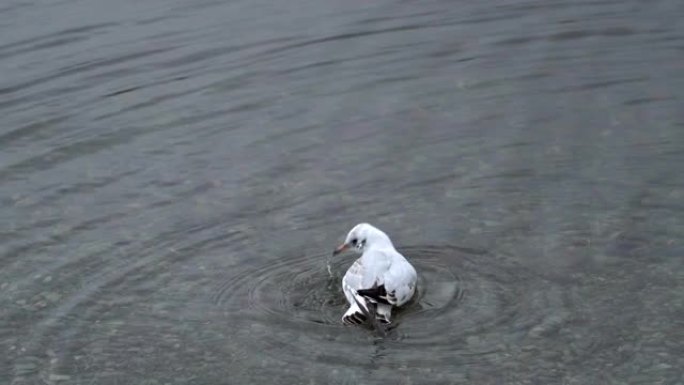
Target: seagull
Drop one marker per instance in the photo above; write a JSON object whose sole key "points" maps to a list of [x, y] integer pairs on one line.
{"points": [[380, 279]]}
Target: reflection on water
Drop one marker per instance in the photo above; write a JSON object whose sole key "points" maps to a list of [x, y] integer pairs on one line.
{"points": [[174, 174]]}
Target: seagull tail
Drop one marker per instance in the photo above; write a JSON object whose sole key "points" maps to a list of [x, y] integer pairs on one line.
{"points": [[384, 313], [362, 311]]}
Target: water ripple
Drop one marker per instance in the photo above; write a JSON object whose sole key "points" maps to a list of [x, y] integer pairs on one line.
{"points": [[474, 305]]}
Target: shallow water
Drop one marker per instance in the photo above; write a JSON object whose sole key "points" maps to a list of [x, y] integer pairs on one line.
{"points": [[174, 175]]}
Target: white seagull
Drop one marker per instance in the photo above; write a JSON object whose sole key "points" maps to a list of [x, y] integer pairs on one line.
{"points": [[381, 277]]}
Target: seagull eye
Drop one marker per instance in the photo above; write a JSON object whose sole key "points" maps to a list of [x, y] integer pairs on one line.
{"points": [[353, 241]]}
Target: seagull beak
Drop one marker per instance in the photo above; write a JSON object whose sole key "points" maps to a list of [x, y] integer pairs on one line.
{"points": [[340, 248]]}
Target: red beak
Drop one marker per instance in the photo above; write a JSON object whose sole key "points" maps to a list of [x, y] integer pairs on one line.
{"points": [[340, 248]]}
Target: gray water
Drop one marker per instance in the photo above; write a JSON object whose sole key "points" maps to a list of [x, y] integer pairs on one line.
{"points": [[174, 175]]}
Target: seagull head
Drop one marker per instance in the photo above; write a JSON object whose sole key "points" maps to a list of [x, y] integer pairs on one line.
{"points": [[362, 237]]}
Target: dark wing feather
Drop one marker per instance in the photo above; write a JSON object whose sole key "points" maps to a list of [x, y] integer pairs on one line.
{"points": [[378, 294]]}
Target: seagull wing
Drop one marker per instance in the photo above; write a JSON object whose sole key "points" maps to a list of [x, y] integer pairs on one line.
{"points": [[392, 280]]}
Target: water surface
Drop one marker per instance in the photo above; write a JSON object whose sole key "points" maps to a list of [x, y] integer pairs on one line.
{"points": [[174, 174]]}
